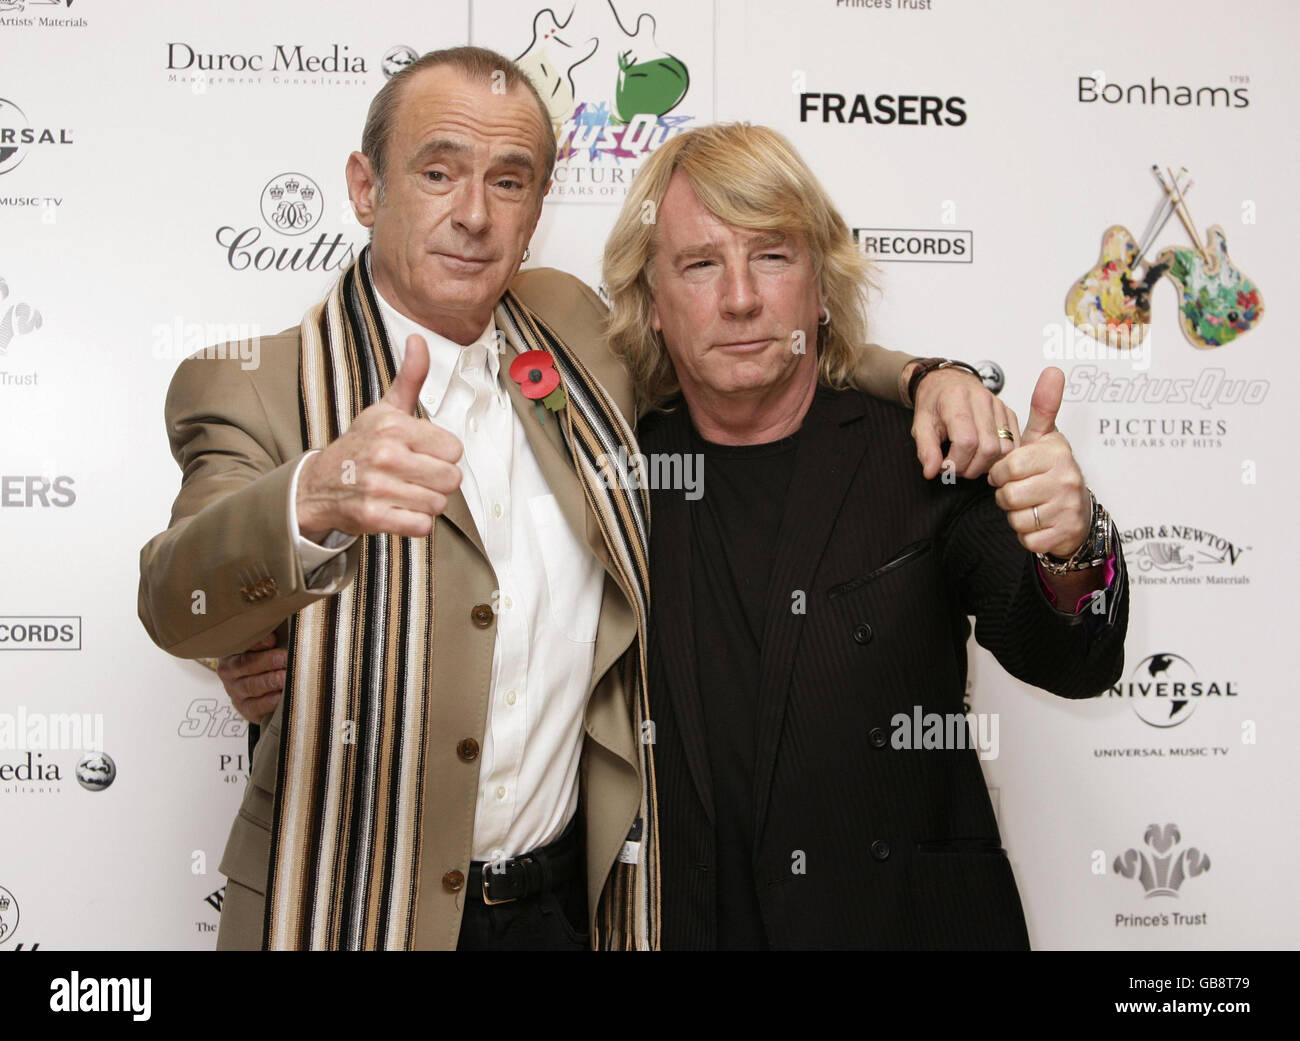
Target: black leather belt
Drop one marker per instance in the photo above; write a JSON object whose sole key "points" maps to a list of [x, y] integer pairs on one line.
{"points": [[529, 873]]}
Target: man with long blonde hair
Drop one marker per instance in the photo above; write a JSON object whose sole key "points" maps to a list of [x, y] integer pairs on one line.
{"points": [[813, 596]]}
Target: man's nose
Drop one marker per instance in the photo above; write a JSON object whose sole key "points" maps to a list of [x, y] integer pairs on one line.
{"points": [[740, 297], [470, 213]]}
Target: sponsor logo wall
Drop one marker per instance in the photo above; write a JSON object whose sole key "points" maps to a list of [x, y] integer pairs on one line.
{"points": [[171, 176]]}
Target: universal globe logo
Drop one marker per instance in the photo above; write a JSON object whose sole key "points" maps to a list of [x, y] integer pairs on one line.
{"points": [[17, 135], [13, 128], [1165, 690], [292, 203]]}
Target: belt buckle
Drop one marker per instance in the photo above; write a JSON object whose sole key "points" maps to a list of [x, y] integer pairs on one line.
{"points": [[487, 870]]}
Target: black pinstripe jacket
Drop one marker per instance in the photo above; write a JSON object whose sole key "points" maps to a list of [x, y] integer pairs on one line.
{"points": [[859, 843]]}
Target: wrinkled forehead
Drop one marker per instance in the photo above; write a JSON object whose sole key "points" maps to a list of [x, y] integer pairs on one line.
{"points": [[443, 105]]}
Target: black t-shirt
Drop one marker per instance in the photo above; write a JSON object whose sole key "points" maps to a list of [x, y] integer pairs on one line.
{"points": [[734, 528]]}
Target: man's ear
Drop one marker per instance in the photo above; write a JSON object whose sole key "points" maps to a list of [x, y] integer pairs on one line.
{"points": [[363, 188]]}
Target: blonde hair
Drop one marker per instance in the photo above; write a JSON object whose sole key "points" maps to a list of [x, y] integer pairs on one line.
{"points": [[750, 177]]}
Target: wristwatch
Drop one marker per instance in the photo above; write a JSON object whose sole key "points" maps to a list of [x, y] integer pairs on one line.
{"points": [[926, 366], [1094, 551]]}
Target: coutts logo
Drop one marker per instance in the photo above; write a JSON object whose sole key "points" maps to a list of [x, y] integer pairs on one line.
{"points": [[291, 204], [181, 57]]}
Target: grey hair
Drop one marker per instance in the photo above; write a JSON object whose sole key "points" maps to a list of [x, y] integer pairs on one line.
{"points": [[479, 65]]}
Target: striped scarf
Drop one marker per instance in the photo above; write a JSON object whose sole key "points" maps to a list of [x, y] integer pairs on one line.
{"points": [[347, 824]]}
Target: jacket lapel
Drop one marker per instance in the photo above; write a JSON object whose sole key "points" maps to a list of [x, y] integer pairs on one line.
{"points": [[672, 625], [616, 628], [825, 463]]}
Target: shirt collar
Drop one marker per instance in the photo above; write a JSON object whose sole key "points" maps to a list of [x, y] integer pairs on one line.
{"points": [[444, 354]]}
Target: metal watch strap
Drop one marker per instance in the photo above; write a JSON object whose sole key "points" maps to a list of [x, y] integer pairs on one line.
{"points": [[1094, 551]]}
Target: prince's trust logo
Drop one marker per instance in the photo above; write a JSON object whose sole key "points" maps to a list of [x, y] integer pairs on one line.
{"points": [[1162, 868]]}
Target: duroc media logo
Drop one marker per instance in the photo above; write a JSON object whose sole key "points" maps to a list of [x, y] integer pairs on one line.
{"points": [[1164, 690], [18, 136], [396, 59], [292, 203], [1162, 867], [96, 772]]}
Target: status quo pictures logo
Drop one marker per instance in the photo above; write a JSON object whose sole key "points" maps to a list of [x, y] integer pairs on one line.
{"points": [[1181, 555], [615, 84], [291, 206], [19, 136], [1162, 868], [40, 14]]}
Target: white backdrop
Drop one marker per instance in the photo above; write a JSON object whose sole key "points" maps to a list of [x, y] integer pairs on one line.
{"points": [[132, 231]]}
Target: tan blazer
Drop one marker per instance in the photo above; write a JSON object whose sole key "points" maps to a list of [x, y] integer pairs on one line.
{"points": [[225, 574]]}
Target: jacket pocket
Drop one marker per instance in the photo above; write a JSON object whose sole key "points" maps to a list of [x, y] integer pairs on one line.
{"points": [[905, 555]]}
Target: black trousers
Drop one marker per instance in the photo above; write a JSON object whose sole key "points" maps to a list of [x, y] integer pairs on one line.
{"points": [[552, 921]]}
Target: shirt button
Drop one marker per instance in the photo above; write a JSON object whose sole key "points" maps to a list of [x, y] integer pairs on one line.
{"points": [[453, 881], [877, 737], [481, 615], [863, 633], [510, 697], [497, 511], [501, 792], [880, 849], [467, 749]]}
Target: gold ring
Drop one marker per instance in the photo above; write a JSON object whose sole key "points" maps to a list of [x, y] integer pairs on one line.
{"points": [[1037, 520], [1006, 434]]}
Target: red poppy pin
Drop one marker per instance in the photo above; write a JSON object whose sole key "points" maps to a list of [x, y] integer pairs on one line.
{"points": [[539, 381]]}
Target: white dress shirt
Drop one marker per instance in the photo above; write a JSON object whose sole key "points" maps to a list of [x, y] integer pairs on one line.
{"points": [[547, 602]]}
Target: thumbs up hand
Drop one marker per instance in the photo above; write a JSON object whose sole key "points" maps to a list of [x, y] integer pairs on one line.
{"points": [[389, 472], [1041, 473]]}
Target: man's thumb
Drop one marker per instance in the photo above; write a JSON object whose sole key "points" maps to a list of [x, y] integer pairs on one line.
{"points": [[405, 390], [1044, 405]]}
